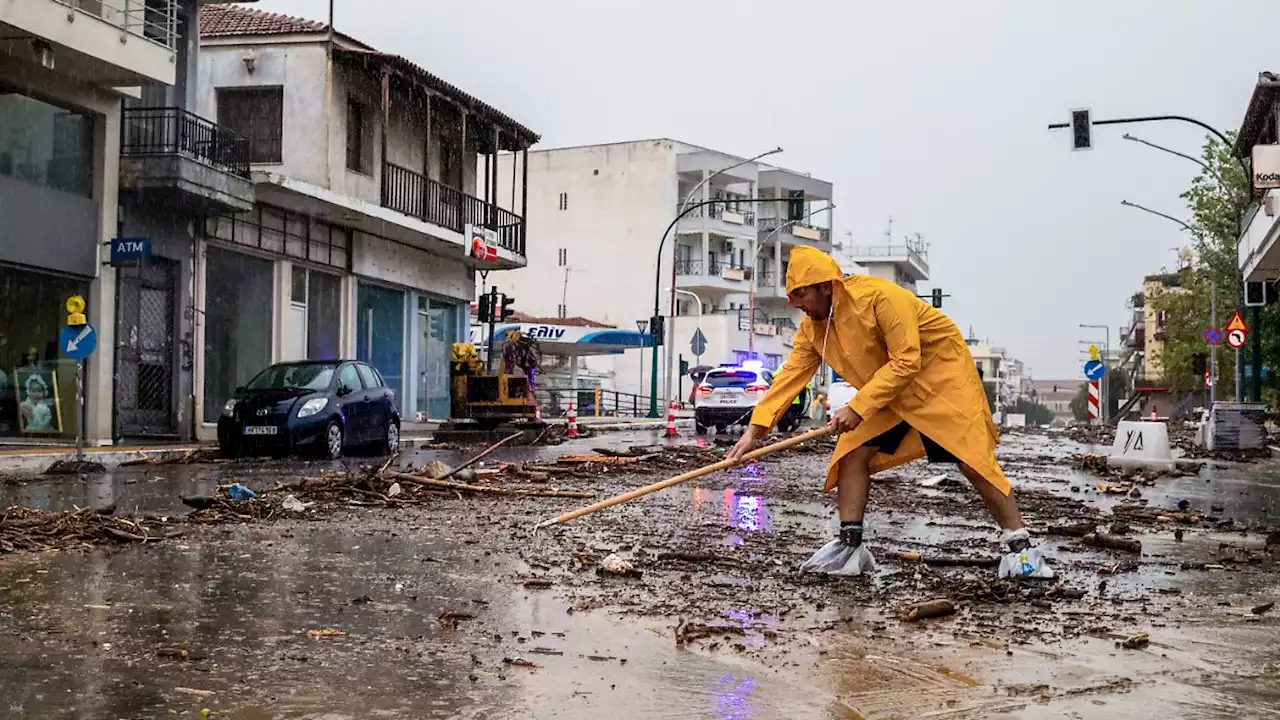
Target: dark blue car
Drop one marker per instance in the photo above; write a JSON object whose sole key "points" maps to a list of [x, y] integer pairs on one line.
{"points": [[319, 407]]}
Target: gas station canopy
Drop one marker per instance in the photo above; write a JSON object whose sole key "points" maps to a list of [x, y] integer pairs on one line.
{"points": [[570, 339]]}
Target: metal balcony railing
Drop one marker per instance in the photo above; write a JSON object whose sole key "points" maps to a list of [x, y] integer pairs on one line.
{"points": [[174, 131], [417, 195], [717, 211], [154, 20], [767, 225]]}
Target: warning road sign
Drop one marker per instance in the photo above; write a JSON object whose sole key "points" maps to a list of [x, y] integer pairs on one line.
{"points": [[1237, 323]]}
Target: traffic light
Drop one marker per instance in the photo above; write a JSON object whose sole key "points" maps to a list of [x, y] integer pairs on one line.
{"points": [[486, 308], [1198, 364], [657, 329], [684, 366], [506, 311], [1081, 130], [937, 297]]}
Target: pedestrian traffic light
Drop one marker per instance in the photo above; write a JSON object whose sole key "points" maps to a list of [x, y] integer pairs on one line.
{"points": [[937, 297], [1081, 130], [505, 310], [485, 312]]}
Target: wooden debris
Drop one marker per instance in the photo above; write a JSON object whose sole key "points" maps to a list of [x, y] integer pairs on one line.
{"points": [[326, 632], [940, 607], [449, 620], [1136, 642], [492, 489], [1262, 608], [606, 459], [949, 561], [519, 662], [538, 583], [1113, 542]]}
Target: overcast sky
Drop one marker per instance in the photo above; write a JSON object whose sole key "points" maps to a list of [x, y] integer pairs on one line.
{"points": [[933, 113]]}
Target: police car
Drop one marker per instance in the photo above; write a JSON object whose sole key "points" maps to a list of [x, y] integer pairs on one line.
{"points": [[728, 394], [839, 393]]}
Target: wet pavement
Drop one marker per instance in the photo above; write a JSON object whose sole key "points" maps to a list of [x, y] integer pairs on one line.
{"points": [[428, 611]]}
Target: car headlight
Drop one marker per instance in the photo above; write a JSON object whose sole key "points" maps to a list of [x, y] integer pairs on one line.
{"points": [[313, 406], [229, 408]]}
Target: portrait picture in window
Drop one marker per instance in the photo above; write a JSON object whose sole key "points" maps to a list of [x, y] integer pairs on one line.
{"points": [[39, 408]]}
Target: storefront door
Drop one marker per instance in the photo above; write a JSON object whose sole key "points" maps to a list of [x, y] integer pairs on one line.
{"points": [[238, 304], [438, 331], [144, 381], [380, 334]]}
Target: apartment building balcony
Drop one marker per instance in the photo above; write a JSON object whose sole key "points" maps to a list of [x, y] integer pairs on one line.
{"points": [[178, 153], [723, 220], [714, 276], [792, 234], [770, 285], [109, 43], [909, 259], [420, 197]]}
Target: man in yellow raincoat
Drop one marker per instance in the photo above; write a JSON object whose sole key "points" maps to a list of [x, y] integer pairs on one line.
{"points": [[919, 394]]}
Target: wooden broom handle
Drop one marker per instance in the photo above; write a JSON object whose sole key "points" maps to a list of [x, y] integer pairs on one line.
{"points": [[691, 475]]}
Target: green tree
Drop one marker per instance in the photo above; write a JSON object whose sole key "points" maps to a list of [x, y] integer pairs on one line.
{"points": [[1217, 200]]}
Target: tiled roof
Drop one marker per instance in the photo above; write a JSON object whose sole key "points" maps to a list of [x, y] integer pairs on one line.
{"points": [[221, 20], [229, 20]]}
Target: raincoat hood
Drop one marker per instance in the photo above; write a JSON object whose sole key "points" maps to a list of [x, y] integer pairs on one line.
{"points": [[809, 266]]}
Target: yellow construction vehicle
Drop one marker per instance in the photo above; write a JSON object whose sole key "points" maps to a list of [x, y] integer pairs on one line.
{"points": [[487, 398]]}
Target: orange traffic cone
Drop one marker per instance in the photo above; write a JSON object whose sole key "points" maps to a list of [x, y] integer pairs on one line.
{"points": [[671, 420], [1153, 413], [573, 422], [537, 414]]}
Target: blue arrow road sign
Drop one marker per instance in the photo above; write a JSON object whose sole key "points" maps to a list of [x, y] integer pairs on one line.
{"points": [[1094, 370], [78, 342]]}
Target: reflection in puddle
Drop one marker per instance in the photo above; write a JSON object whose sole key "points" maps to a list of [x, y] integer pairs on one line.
{"points": [[747, 513], [734, 699]]}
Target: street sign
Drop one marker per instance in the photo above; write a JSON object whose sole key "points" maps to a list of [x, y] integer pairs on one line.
{"points": [[1094, 370], [130, 250], [1237, 323], [699, 342], [1212, 336], [78, 341], [1208, 381], [1236, 339]]}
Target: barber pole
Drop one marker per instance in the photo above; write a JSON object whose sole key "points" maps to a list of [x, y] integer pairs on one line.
{"points": [[573, 422], [671, 420], [1095, 392]]}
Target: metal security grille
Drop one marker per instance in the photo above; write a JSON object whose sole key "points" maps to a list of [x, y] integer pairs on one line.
{"points": [[144, 381]]}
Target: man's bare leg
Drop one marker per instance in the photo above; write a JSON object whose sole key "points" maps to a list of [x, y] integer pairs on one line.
{"points": [[853, 478], [1002, 507]]}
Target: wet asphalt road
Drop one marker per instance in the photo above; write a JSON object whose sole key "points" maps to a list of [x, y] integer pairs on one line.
{"points": [[102, 633]]}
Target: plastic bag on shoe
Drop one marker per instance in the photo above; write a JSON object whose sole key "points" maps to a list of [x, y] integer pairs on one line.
{"points": [[1026, 561], [836, 558]]}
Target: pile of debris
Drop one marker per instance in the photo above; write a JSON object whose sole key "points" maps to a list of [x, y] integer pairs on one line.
{"points": [[1092, 434], [29, 529]]}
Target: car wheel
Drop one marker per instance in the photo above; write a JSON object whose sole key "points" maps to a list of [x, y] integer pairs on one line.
{"points": [[331, 442], [393, 437], [229, 450]]}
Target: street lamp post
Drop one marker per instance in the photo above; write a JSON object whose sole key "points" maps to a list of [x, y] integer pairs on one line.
{"points": [[1106, 358], [1257, 312], [1213, 300], [671, 354], [755, 259], [657, 287]]}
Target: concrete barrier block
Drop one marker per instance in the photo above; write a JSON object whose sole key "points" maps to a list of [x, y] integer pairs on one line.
{"points": [[1142, 445], [1016, 420]]}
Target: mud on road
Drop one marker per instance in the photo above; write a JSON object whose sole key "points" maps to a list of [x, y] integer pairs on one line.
{"points": [[452, 606]]}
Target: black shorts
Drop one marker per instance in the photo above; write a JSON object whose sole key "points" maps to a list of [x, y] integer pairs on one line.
{"points": [[888, 441]]}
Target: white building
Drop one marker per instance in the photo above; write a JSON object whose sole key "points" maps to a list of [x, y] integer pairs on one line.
{"points": [[64, 68], [366, 183], [601, 212], [1011, 379]]}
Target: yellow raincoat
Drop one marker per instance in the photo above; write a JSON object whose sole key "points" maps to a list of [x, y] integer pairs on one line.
{"points": [[908, 361]]}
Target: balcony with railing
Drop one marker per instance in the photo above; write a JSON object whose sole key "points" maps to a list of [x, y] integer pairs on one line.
{"points": [[730, 220], [791, 232], [111, 43], [913, 260], [711, 275], [418, 196], [175, 151]]}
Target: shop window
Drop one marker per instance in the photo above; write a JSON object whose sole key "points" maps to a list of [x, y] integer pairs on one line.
{"points": [[37, 383], [257, 114], [324, 316], [46, 144], [237, 321]]}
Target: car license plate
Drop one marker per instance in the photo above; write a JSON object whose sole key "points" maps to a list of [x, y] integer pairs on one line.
{"points": [[728, 401], [260, 430]]}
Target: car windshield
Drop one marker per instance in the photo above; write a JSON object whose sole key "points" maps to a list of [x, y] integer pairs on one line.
{"points": [[294, 376], [731, 378]]}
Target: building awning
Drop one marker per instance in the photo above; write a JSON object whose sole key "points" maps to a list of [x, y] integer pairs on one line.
{"points": [[570, 340]]}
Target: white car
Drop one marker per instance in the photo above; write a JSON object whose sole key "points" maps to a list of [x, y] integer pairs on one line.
{"points": [[840, 393], [728, 394]]}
